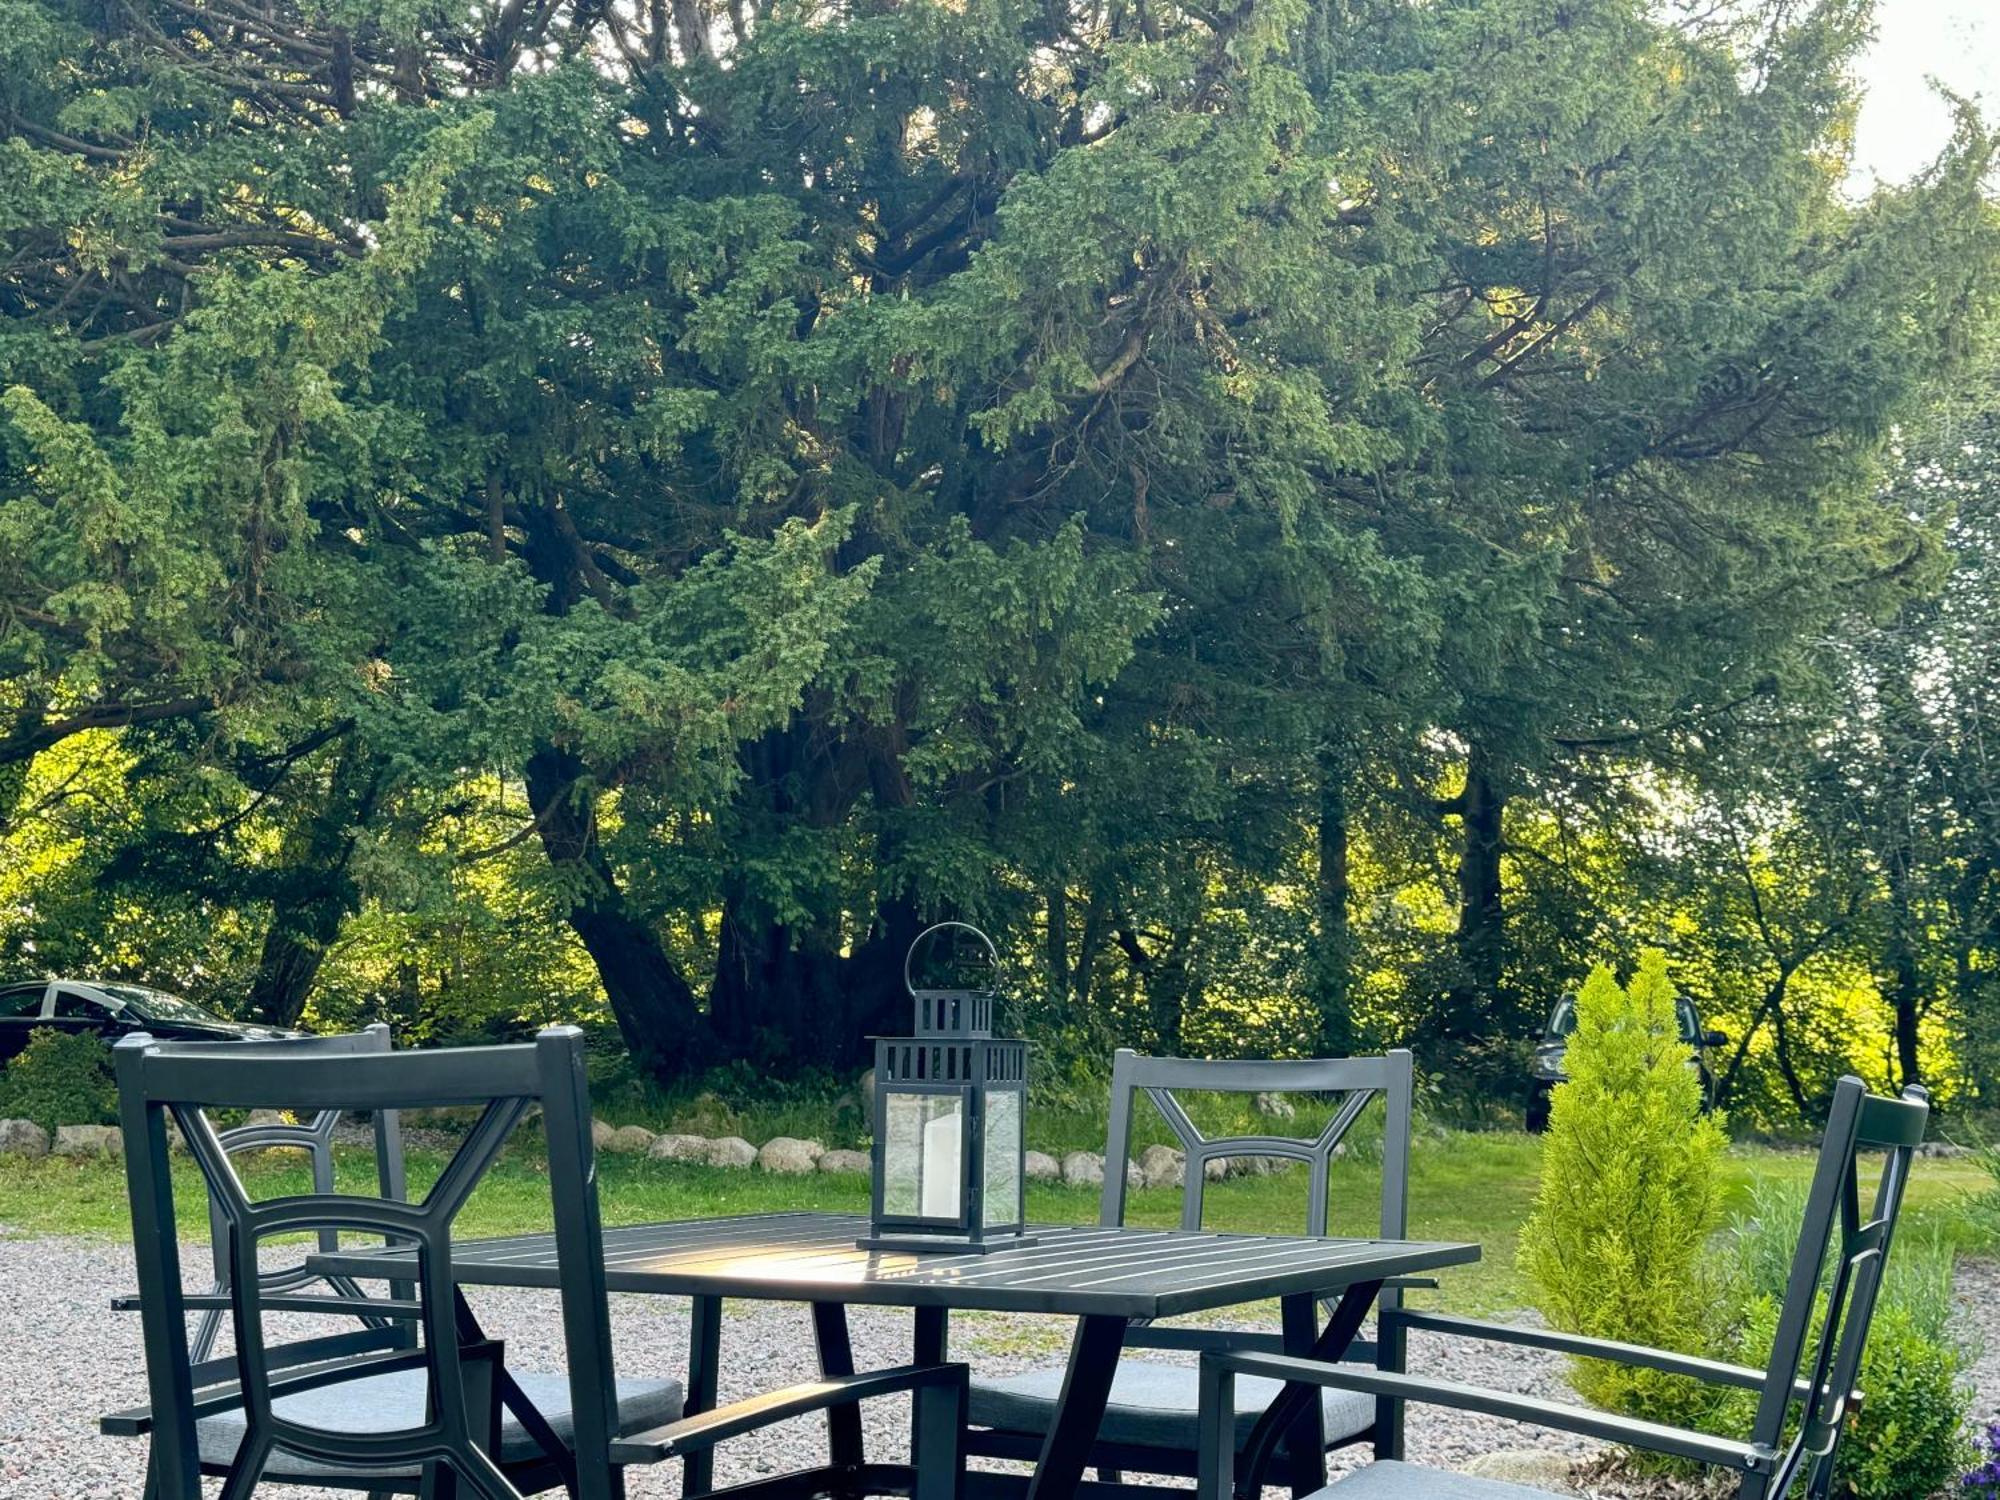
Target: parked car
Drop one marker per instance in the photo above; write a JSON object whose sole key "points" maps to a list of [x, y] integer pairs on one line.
{"points": [[1547, 1069], [111, 1010]]}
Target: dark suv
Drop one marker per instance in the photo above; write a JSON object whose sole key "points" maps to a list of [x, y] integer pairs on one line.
{"points": [[1547, 1069], [111, 1009]]}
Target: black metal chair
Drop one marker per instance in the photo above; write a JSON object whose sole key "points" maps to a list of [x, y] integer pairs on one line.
{"points": [[1824, 1337], [1150, 1423], [417, 1401], [315, 1139]]}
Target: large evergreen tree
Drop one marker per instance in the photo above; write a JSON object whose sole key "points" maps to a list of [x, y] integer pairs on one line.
{"points": [[848, 464]]}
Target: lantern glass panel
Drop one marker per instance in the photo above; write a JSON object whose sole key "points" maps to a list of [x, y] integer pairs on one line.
{"points": [[1002, 1203], [922, 1155]]}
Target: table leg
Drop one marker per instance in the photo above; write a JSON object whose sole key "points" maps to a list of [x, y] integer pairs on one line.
{"points": [[836, 1357], [1086, 1388], [933, 1336], [928, 1346], [1305, 1439], [704, 1350], [1298, 1401]]}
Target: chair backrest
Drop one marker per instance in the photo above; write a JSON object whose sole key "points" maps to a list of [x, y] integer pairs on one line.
{"points": [[183, 1081], [1830, 1328], [315, 1139], [1358, 1080]]}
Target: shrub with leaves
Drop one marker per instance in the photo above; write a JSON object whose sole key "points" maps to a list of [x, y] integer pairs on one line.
{"points": [[1908, 1441], [60, 1079], [1615, 1245]]}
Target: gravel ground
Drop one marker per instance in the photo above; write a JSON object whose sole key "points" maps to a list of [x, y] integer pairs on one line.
{"points": [[64, 1357]]}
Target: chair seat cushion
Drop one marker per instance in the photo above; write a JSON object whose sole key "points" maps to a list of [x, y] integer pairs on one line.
{"points": [[1152, 1405], [1390, 1479], [391, 1402]]}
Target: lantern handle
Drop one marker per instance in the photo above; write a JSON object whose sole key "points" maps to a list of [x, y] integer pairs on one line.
{"points": [[991, 952]]}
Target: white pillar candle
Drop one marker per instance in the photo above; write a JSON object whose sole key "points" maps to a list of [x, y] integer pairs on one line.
{"points": [[942, 1171]]}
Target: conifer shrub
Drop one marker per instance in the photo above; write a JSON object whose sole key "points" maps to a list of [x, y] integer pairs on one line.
{"points": [[1616, 1244], [59, 1078]]}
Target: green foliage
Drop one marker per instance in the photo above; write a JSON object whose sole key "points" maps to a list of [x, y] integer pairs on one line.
{"points": [[59, 1078], [640, 511], [1908, 1441], [1630, 1193], [1979, 1212]]}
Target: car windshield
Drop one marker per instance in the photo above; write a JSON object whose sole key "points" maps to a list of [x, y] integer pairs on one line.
{"points": [[1562, 1021], [155, 1004]]}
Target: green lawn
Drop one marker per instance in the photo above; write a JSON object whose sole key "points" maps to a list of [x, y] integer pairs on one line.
{"points": [[1474, 1187]]}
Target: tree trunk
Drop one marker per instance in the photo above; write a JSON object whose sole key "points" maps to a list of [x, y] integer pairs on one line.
{"points": [[784, 991], [777, 993], [1333, 954], [1480, 941], [1906, 971], [315, 895], [1167, 977], [652, 1001], [1083, 975], [1056, 946]]}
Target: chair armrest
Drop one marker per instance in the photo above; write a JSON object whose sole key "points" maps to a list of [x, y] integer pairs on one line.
{"points": [[1725, 1453], [1715, 1372], [360, 1307], [706, 1429], [1167, 1336]]}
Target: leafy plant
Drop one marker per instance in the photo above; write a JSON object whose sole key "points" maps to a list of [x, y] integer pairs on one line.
{"points": [[1614, 1246], [1907, 1441], [59, 1079]]}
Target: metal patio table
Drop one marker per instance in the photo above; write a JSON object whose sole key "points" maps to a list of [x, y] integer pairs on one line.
{"points": [[1106, 1278]]}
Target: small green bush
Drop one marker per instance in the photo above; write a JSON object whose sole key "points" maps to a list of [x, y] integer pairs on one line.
{"points": [[1908, 1441], [59, 1078], [1615, 1245]]}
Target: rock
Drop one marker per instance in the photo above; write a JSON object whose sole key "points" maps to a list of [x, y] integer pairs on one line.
{"points": [[23, 1138], [1534, 1467], [89, 1140], [848, 1162], [790, 1156], [600, 1135], [1275, 1107], [1134, 1178], [867, 1088], [1041, 1167], [266, 1117], [1214, 1169], [1251, 1166], [1162, 1166], [1083, 1169], [675, 1147], [730, 1151], [629, 1140]]}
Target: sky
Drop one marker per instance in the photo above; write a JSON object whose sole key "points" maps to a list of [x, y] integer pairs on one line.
{"points": [[1903, 124]]}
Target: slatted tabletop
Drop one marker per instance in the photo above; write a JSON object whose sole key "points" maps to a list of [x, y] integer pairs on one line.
{"points": [[813, 1257]]}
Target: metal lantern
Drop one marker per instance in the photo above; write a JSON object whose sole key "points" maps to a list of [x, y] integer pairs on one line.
{"points": [[950, 1107]]}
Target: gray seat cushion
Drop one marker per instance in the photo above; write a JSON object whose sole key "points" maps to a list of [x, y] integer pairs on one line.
{"points": [[1152, 1405], [387, 1403], [1390, 1479]]}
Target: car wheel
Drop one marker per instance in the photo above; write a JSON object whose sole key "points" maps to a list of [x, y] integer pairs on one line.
{"points": [[1537, 1117]]}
